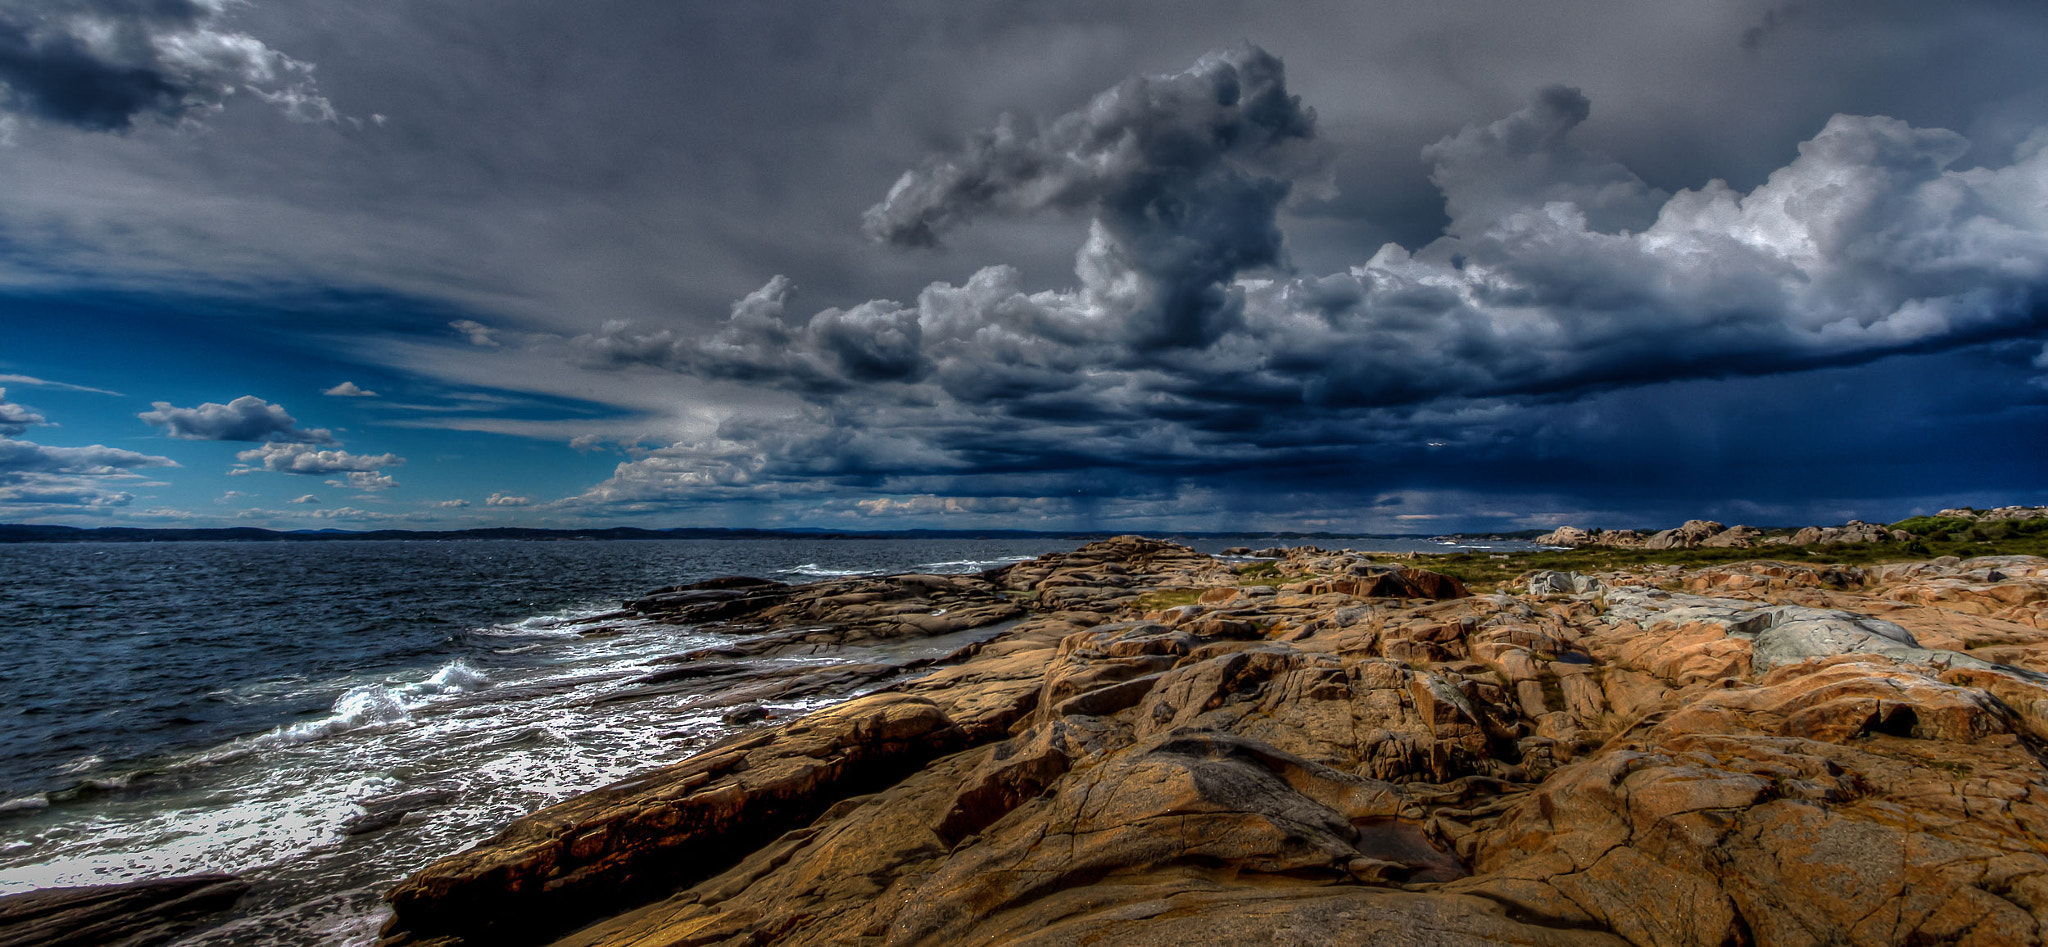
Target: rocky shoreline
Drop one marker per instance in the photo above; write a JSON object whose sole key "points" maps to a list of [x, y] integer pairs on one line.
{"points": [[1159, 747], [1136, 743]]}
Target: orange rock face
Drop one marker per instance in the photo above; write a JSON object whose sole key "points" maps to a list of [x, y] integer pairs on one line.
{"points": [[1762, 753]]}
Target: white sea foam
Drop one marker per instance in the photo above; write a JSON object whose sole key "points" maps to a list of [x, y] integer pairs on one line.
{"points": [[964, 566], [83, 764], [24, 804], [365, 706], [455, 677], [818, 571]]}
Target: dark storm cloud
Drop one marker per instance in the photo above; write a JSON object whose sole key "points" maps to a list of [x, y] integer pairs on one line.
{"points": [[1562, 275], [247, 418], [1182, 174], [1489, 173], [831, 352], [519, 188], [102, 64]]}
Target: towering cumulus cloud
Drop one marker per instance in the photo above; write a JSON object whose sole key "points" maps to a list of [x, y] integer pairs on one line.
{"points": [[102, 64], [1183, 175], [1187, 345]]}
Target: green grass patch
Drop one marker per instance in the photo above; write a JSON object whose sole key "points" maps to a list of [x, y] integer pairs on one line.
{"points": [[1954, 530], [1162, 599]]}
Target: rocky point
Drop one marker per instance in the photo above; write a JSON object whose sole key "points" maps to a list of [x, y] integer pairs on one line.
{"points": [[1323, 748]]}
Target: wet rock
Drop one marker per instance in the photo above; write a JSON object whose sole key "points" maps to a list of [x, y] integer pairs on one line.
{"points": [[642, 837], [136, 914], [388, 809], [745, 713]]}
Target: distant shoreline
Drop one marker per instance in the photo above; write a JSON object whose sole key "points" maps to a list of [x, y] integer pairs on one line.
{"points": [[29, 533]]}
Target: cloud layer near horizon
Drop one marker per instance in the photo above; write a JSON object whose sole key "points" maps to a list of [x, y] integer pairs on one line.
{"points": [[36, 478], [1187, 344]]}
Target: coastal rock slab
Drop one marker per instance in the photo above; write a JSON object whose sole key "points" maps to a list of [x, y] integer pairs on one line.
{"points": [[1763, 752], [137, 914]]}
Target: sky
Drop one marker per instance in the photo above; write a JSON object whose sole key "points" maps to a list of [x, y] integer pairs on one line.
{"points": [[1330, 266]]}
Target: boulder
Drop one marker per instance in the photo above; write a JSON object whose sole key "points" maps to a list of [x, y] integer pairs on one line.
{"points": [[1690, 535], [1397, 583], [1735, 537], [1562, 583], [1564, 536], [1620, 538]]}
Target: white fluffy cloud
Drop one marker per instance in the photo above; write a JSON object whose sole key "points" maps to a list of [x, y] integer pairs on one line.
{"points": [[364, 480], [15, 419], [308, 459], [506, 499], [349, 389], [353, 515], [476, 332], [247, 418]]}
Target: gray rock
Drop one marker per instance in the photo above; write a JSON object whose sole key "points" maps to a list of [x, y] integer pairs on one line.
{"points": [[1795, 637], [1563, 583], [1780, 634]]}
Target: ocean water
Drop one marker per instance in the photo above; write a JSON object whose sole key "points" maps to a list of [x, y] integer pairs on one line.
{"points": [[270, 709]]}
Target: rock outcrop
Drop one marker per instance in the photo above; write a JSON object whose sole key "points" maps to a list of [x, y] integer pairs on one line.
{"points": [[838, 612], [1690, 535], [1769, 753], [1855, 531], [1694, 534], [136, 914], [2001, 513]]}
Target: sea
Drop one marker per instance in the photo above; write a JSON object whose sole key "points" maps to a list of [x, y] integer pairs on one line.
{"points": [[264, 708]]}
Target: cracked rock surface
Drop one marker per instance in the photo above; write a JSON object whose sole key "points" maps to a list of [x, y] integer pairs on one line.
{"points": [[1161, 754]]}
